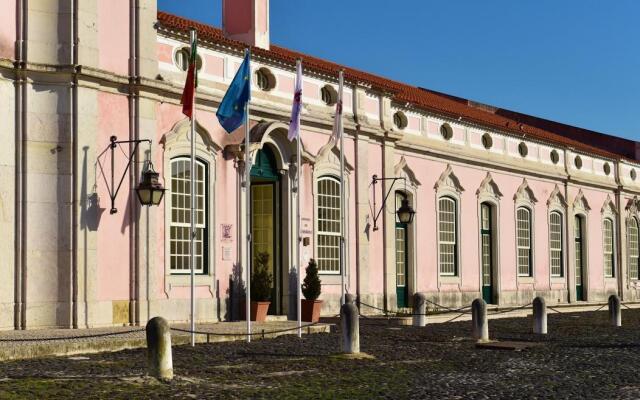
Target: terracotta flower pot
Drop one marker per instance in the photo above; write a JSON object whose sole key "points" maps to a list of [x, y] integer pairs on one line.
{"points": [[259, 310], [311, 310]]}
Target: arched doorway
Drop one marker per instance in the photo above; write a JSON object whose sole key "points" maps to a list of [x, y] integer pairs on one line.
{"points": [[266, 220]]}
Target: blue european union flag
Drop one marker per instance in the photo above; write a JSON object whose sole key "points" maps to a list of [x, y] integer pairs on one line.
{"points": [[232, 110]]}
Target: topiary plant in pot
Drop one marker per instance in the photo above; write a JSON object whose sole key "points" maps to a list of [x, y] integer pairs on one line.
{"points": [[261, 282], [311, 289]]}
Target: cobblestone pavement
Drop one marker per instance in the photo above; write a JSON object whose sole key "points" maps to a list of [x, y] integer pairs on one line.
{"points": [[582, 357], [48, 342]]}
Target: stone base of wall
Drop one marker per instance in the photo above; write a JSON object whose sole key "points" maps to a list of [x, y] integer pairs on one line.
{"points": [[179, 310]]}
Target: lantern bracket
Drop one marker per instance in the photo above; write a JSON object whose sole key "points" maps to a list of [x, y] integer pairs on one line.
{"points": [[111, 188], [374, 181]]}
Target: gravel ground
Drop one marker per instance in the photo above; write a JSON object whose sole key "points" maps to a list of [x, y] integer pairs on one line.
{"points": [[581, 357]]}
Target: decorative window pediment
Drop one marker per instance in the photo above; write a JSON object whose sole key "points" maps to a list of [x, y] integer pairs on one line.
{"points": [[556, 199], [524, 193], [580, 203], [609, 207], [329, 153], [489, 188], [402, 169], [181, 133], [633, 206], [448, 181]]}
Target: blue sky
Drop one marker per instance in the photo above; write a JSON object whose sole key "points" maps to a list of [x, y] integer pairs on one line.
{"points": [[572, 61]]}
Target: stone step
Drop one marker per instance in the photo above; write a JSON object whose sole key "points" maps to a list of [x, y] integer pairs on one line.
{"points": [[276, 318]]}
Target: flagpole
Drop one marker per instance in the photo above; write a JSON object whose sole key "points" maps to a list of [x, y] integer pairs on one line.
{"points": [[193, 204], [298, 219], [247, 188], [342, 193]]}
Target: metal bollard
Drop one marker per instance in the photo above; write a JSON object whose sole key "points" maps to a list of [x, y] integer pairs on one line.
{"points": [[350, 326], [159, 361], [539, 316], [419, 309], [615, 312], [479, 320]]}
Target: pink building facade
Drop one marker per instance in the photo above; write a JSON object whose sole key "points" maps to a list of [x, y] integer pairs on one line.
{"points": [[508, 206]]}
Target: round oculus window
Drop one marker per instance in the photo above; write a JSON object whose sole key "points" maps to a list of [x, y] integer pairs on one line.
{"points": [[400, 120], [265, 79], [181, 59], [329, 95], [446, 131], [578, 162], [487, 141], [523, 149], [555, 157]]}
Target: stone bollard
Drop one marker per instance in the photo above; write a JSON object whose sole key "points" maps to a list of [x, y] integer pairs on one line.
{"points": [[419, 309], [479, 320], [539, 316], [159, 361], [615, 312], [350, 326]]}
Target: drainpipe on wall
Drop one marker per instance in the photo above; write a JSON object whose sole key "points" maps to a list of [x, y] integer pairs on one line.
{"points": [[356, 185], [74, 162], [133, 135], [19, 215], [618, 234], [567, 257]]}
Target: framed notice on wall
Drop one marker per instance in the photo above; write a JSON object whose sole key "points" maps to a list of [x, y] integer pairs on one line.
{"points": [[226, 234]]}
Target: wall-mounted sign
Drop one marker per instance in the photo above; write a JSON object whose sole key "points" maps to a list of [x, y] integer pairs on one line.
{"points": [[226, 253], [305, 228], [226, 234]]}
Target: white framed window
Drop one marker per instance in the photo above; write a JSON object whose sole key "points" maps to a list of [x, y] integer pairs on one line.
{"points": [[448, 237], [609, 246], [180, 218], [556, 244], [523, 233], [633, 248], [329, 229]]}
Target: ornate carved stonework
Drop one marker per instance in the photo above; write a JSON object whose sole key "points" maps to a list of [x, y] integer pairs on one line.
{"points": [[608, 207], [556, 199], [581, 203], [488, 188], [525, 193], [403, 169], [448, 180]]}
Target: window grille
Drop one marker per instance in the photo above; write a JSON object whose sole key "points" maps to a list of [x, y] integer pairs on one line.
{"points": [[401, 246], [579, 251], [555, 243], [607, 233], [633, 248], [448, 236], [524, 241], [485, 237], [329, 225], [180, 224]]}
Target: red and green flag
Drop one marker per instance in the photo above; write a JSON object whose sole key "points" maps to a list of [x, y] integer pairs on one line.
{"points": [[189, 93]]}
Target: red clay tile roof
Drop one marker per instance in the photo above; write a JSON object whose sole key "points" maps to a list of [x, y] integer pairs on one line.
{"points": [[428, 100]]}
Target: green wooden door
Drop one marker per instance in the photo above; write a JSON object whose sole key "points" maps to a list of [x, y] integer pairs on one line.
{"points": [[486, 238], [579, 259], [264, 177], [402, 259]]}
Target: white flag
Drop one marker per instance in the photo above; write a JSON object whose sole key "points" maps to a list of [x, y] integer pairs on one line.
{"points": [[337, 123], [294, 123]]}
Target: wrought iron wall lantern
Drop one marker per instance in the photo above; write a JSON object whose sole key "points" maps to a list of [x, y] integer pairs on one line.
{"points": [[405, 212], [149, 191]]}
